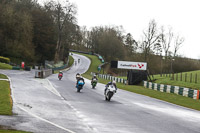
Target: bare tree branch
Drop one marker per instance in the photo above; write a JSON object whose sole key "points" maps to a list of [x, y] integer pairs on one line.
{"points": [[150, 37], [166, 39], [177, 44]]}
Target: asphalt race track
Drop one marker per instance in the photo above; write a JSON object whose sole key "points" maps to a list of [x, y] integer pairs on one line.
{"points": [[53, 106]]}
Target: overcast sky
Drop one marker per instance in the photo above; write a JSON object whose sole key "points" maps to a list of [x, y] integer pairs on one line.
{"points": [[134, 16]]}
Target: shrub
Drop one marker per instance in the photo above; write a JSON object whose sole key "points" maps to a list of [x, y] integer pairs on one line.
{"points": [[4, 59]]}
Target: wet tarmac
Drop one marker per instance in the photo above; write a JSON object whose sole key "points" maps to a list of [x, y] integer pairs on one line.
{"points": [[53, 106]]}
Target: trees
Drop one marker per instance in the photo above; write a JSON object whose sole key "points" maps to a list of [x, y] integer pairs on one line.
{"points": [[64, 19], [16, 33], [110, 45], [151, 36], [166, 39], [177, 44], [43, 35], [131, 44], [107, 41], [34, 33]]}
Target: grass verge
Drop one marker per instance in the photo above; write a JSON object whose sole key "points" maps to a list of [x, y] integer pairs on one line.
{"points": [[71, 61], [3, 76], [177, 77], [12, 131], [168, 97], [6, 103], [95, 62], [5, 98], [5, 66]]}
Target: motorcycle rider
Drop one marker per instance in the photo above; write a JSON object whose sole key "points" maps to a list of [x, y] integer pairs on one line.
{"points": [[111, 83], [80, 78], [94, 77], [60, 74]]}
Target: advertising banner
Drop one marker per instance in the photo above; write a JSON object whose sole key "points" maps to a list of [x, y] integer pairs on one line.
{"points": [[132, 65]]}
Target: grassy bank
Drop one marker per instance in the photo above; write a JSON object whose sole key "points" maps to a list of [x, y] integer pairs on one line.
{"points": [[169, 97], [177, 80], [71, 61], [5, 98], [95, 62], [3, 76], [5, 66], [6, 103]]}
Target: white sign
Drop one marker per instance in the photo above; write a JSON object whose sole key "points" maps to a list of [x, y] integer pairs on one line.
{"points": [[132, 65]]}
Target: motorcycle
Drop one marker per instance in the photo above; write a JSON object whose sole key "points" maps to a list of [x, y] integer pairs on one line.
{"points": [[94, 83], [60, 76], [79, 86], [110, 92]]}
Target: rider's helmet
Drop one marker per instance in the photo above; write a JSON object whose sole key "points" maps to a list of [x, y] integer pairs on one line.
{"points": [[60, 72], [114, 82], [95, 76]]}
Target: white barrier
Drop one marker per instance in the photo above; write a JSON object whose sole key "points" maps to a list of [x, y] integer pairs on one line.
{"points": [[43, 73]]}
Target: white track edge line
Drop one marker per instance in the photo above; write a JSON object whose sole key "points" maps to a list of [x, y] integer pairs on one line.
{"points": [[70, 131]]}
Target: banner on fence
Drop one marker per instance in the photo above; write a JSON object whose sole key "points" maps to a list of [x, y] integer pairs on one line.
{"points": [[132, 65]]}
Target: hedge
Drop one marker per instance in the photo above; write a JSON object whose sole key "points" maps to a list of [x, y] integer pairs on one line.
{"points": [[4, 59]]}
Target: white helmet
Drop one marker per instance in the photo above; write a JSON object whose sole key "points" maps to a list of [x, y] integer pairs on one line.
{"points": [[114, 82]]}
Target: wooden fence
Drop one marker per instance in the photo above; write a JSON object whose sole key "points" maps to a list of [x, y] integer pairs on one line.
{"points": [[190, 77]]}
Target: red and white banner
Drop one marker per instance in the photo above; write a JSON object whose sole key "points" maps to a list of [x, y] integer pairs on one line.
{"points": [[132, 65]]}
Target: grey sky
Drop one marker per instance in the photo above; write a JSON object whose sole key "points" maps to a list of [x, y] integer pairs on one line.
{"points": [[134, 16]]}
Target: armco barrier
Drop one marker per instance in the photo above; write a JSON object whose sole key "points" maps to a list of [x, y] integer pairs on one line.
{"points": [[60, 68], [187, 92], [108, 77], [15, 68]]}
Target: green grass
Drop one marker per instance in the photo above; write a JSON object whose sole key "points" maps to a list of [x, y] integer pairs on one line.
{"points": [[95, 62], [5, 66], [169, 97], [122, 77], [6, 103], [5, 98], [12, 131], [71, 61], [3, 76], [177, 80]]}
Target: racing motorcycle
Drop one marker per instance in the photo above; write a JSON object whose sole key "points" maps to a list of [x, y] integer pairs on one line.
{"points": [[79, 86], [110, 92], [60, 76], [94, 83]]}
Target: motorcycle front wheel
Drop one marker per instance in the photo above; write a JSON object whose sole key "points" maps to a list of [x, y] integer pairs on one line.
{"points": [[106, 98]]}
